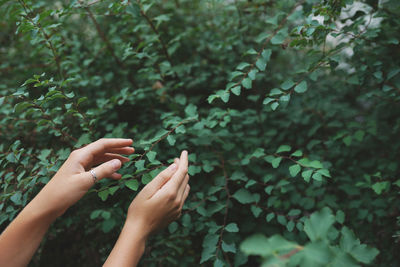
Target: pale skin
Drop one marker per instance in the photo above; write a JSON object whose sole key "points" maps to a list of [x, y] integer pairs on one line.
{"points": [[159, 203]]}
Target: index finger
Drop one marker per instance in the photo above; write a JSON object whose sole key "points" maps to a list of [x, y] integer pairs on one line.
{"points": [[102, 145], [178, 177]]}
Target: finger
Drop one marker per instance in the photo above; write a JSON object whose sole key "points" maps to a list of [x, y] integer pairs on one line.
{"points": [[104, 170], [161, 179], [122, 150], [116, 176], [180, 174], [103, 145], [176, 161], [185, 195], [107, 157], [182, 187]]}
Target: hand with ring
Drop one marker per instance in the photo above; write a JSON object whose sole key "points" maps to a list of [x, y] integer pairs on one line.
{"points": [[83, 167], [78, 174]]}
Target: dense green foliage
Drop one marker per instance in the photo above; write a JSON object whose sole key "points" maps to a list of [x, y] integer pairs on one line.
{"points": [[289, 110]]}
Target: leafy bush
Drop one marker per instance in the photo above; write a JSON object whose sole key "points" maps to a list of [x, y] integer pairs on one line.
{"points": [[289, 109]]}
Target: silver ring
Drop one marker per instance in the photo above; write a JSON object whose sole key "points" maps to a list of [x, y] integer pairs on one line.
{"points": [[92, 172]]}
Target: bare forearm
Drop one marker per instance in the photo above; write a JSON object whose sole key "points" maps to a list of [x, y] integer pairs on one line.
{"points": [[129, 247], [22, 237]]}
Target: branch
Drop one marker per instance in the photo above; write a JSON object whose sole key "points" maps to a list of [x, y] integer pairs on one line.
{"points": [[226, 209], [107, 42], [153, 27], [46, 37]]}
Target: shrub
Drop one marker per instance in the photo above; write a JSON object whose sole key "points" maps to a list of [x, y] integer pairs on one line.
{"points": [[289, 110]]}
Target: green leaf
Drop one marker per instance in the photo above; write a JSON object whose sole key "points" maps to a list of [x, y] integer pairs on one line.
{"points": [[315, 164], [281, 219], [347, 140], [224, 95], [171, 139], [247, 83], [286, 85], [283, 148], [268, 100], [301, 87], [218, 263], [274, 105], [232, 227], [340, 216], [275, 162], [261, 64], [294, 169], [16, 198], [255, 245], [269, 189], [151, 155], [256, 211], [379, 187], [278, 39], [211, 98], [242, 65], [307, 175], [191, 110], [294, 212], [324, 172], [236, 90], [209, 247], [297, 153], [228, 247], [113, 189], [103, 194], [360, 252], [181, 129], [252, 74], [266, 54], [318, 225], [132, 184], [290, 226], [243, 196], [359, 135], [139, 165], [317, 176], [21, 106], [270, 216]]}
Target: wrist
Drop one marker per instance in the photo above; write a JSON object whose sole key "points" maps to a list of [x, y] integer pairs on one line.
{"points": [[137, 230], [42, 206]]}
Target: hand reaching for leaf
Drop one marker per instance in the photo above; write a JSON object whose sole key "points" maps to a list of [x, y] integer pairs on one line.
{"points": [[159, 203], [75, 177], [23, 236]]}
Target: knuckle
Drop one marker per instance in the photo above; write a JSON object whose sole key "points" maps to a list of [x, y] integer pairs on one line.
{"points": [[171, 196], [74, 153], [177, 203]]}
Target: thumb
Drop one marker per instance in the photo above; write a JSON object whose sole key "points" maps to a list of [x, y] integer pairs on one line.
{"points": [[106, 169], [161, 179]]}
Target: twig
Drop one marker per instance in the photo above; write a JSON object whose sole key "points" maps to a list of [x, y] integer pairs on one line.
{"points": [[226, 210], [46, 37]]}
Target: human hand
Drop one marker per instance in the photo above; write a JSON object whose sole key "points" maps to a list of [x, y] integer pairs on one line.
{"points": [[74, 179], [160, 202]]}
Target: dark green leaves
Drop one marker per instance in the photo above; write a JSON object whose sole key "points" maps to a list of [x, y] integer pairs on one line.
{"points": [[244, 196], [319, 224], [301, 87], [294, 169], [132, 184], [262, 61]]}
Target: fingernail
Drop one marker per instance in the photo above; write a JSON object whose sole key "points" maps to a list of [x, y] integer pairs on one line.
{"points": [[173, 166], [116, 164]]}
